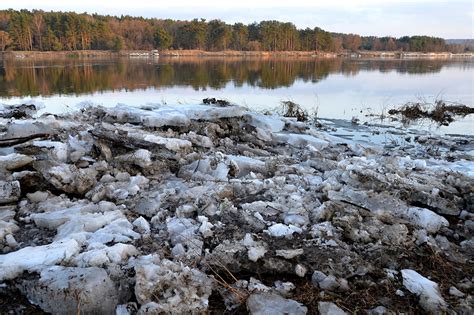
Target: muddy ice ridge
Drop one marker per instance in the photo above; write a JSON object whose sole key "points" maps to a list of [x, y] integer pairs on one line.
{"points": [[189, 209]]}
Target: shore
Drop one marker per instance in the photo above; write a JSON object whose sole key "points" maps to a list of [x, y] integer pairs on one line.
{"points": [[226, 53], [203, 208]]}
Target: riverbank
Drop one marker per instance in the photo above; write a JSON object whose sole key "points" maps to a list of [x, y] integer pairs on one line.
{"points": [[227, 53], [200, 208]]}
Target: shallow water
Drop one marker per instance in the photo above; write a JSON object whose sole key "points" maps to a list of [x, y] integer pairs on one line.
{"points": [[332, 88]]}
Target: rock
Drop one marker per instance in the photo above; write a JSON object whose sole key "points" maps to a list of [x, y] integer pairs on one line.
{"points": [[273, 304], [430, 297], [329, 308], [69, 290]]}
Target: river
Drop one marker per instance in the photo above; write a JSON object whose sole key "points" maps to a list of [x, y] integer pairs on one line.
{"points": [[330, 88]]}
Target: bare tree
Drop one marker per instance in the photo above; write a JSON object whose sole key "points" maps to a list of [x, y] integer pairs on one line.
{"points": [[5, 40]]}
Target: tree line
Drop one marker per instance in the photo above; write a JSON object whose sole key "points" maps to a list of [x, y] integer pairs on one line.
{"points": [[53, 31]]}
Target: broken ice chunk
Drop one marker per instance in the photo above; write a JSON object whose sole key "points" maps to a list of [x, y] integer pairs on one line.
{"points": [[281, 230], [430, 297]]}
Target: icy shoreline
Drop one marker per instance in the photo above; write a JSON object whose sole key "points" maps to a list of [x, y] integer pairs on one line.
{"points": [[203, 208]]}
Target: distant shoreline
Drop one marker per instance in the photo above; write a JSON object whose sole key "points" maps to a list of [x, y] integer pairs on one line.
{"points": [[137, 54]]}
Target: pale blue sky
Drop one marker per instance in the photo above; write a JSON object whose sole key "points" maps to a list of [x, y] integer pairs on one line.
{"points": [[443, 18]]}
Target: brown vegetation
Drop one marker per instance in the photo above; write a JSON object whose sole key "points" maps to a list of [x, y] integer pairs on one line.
{"points": [[441, 112]]}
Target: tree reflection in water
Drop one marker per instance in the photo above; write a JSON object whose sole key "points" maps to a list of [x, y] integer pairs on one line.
{"points": [[86, 76]]}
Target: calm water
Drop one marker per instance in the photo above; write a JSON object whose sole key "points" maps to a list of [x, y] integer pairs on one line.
{"points": [[334, 88]]}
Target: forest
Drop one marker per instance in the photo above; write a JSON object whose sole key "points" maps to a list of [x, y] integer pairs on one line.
{"points": [[56, 31]]}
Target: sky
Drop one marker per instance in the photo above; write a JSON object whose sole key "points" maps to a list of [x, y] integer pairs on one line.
{"points": [[441, 18]]}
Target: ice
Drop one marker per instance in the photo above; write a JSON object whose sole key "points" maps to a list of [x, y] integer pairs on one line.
{"points": [[34, 258], [428, 291], [289, 253], [246, 165], [9, 191], [170, 143], [271, 123], [65, 290], [37, 196], [282, 230], [269, 303], [140, 158], [142, 225], [119, 231], [172, 287], [14, 161], [425, 218], [59, 149], [206, 227], [329, 308], [301, 140], [172, 116], [257, 252], [7, 229], [116, 254], [203, 170], [223, 193]]}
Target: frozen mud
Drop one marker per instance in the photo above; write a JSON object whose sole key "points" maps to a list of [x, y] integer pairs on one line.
{"points": [[209, 209]]}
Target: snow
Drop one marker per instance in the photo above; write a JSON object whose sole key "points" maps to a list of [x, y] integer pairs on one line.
{"points": [[428, 291]]}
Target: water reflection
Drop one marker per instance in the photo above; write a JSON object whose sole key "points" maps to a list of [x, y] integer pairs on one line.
{"points": [[86, 76]]}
